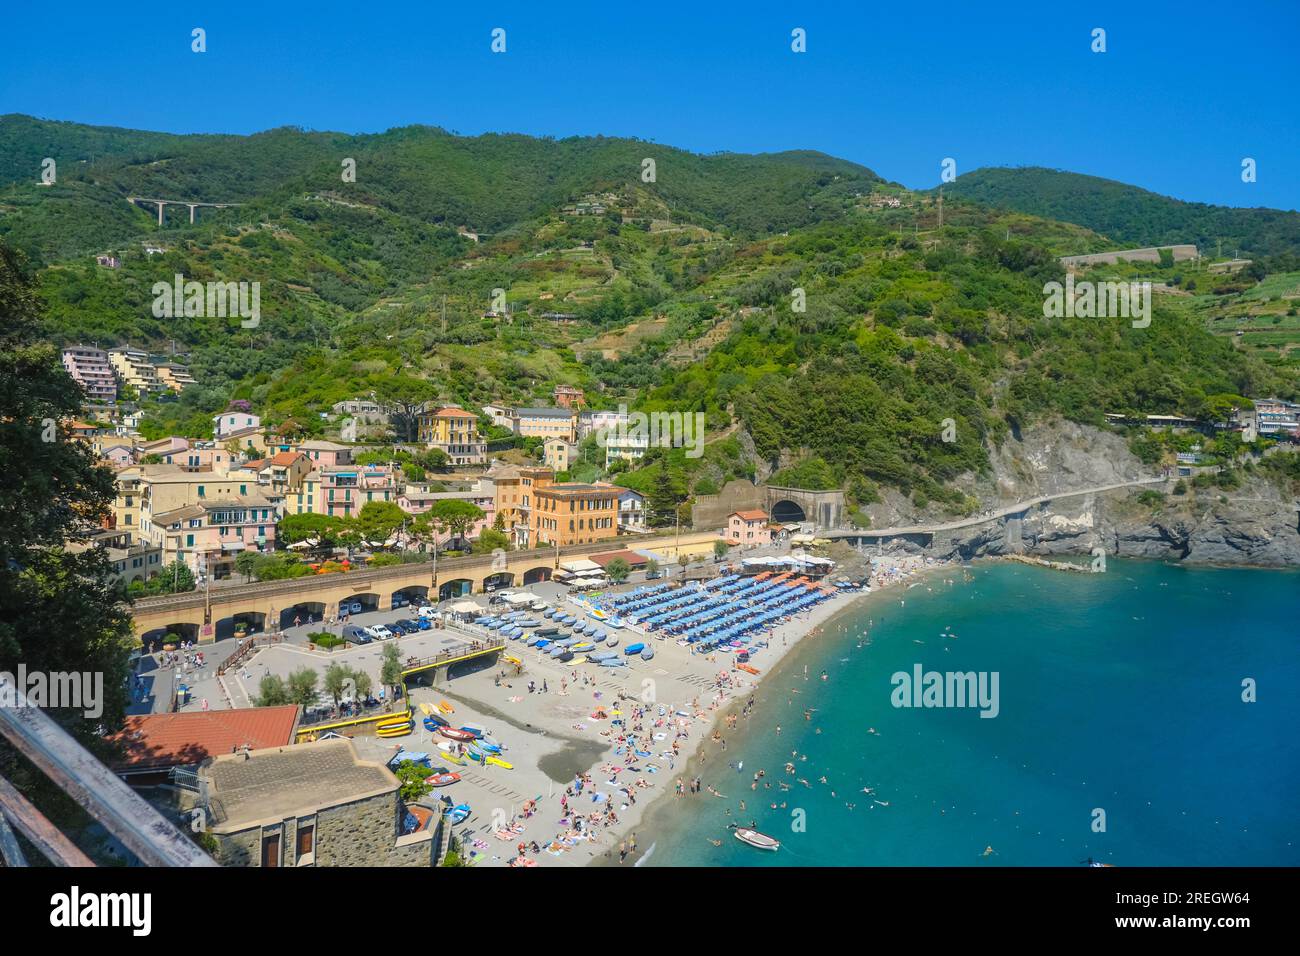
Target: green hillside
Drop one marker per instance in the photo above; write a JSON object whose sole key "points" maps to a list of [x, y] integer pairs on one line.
{"points": [[1127, 215], [678, 294]]}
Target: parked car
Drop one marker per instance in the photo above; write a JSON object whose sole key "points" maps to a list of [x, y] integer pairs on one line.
{"points": [[398, 628], [357, 635], [652, 575], [408, 625], [355, 607], [427, 610], [382, 632]]}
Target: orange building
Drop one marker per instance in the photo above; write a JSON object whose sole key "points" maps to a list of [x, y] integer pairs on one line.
{"points": [[572, 513]]}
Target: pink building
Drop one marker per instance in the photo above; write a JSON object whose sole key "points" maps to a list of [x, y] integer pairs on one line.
{"points": [[748, 528]]}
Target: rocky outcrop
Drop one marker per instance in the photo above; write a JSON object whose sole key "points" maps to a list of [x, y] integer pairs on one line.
{"points": [[1255, 524]]}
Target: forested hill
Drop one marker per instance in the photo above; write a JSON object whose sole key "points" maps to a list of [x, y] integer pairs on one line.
{"points": [[423, 174], [1128, 215], [824, 321]]}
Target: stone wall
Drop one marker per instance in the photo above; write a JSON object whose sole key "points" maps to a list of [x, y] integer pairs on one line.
{"points": [[361, 833], [710, 511]]}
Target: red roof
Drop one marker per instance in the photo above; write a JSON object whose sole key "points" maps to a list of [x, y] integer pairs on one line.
{"points": [[633, 559], [454, 413], [169, 740], [285, 458], [756, 514]]}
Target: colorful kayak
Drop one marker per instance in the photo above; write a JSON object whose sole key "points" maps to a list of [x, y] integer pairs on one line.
{"points": [[452, 733], [433, 722], [452, 757], [498, 762], [442, 779]]}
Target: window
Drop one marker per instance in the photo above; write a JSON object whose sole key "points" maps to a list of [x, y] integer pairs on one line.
{"points": [[306, 840]]}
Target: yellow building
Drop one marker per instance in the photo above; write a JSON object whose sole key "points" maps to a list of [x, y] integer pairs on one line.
{"points": [[454, 431]]}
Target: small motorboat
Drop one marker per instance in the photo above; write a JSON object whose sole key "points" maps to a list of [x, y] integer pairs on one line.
{"points": [[636, 648], [613, 662], [602, 656], [611, 641], [565, 657], [457, 814], [648, 654], [442, 779], [453, 733], [755, 839]]}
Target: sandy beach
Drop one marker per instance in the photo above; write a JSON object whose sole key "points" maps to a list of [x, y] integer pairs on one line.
{"points": [[678, 706]]}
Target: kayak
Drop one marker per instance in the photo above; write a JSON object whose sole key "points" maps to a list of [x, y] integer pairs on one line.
{"points": [[755, 839], [433, 722], [445, 707], [426, 709], [498, 762], [455, 758], [452, 733], [748, 668], [472, 730]]}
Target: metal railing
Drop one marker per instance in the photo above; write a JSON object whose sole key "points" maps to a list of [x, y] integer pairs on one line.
{"points": [[153, 839]]}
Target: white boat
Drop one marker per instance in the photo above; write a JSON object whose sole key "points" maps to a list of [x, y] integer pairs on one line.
{"points": [[755, 839]]}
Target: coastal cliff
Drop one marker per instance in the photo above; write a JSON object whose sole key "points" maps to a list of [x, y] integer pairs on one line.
{"points": [[1254, 524]]}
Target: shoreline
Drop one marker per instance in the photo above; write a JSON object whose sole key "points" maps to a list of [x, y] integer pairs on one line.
{"points": [[654, 816]]}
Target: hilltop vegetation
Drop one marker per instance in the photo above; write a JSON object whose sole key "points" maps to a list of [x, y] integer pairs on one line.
{"points": [[1127, 215], [827, 338]]}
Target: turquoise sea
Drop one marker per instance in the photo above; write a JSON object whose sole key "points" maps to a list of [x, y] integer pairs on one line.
{"points": [[1119, 692]]}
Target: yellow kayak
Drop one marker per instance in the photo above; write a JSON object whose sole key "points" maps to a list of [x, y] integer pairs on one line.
{"points": [[498, 762], [445, 707], [452, 758], [513, 660], [427, 709]]}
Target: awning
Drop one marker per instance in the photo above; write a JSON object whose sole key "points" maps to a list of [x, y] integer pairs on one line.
{"points": [[520, 597], [466, 607], [582, 564]]}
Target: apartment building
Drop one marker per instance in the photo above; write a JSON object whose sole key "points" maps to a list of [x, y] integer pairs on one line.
{"points": [[202, 518], [230, 422], [175, 377], [546, 423], [500, 415], [515, 488], [90, 368], [627, 446], [1276, 418], [130, 560], [454, 431], [572, 513], [134, 370], [342, 490], [559, 454], [325, 454]]}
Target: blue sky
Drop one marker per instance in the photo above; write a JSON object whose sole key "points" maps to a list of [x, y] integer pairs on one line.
{"points": [[1183, 93]]}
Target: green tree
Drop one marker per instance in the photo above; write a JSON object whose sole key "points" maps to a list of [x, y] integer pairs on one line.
{"points": [[489, 540], [618, 570], [302, 686], [720, 549], [337, 678], [407, 396], [413, 776], [246, 563], [453, 518], [272, 692], [377, 521], [390, 668], [59, 608]]}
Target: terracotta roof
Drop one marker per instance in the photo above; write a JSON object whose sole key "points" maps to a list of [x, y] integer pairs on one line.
{"points": [[754, 514], [454, 413], [284, 458], [169, 740]]}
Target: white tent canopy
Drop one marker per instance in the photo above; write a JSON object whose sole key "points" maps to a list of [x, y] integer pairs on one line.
{"points": [[465, 607], [582, 564], [517, 598]]}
